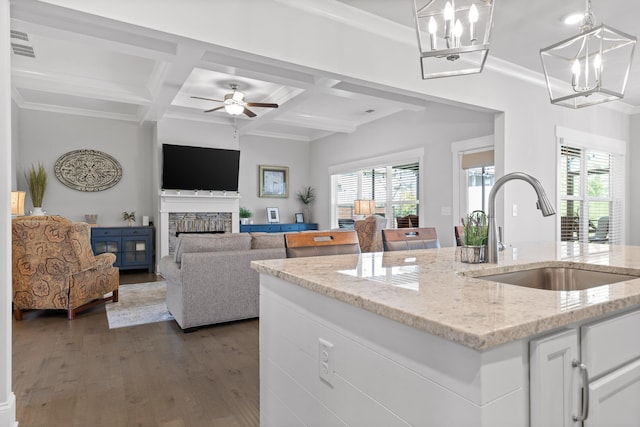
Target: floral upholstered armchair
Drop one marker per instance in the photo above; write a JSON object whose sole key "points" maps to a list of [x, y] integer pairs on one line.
{"points": [[54, 266], [370, 233]]}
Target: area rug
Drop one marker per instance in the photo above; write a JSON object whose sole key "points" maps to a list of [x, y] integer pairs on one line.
{"points": [[139, 304]]}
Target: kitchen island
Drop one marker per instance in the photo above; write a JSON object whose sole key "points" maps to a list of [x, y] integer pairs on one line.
{"points": [[413, 338]]}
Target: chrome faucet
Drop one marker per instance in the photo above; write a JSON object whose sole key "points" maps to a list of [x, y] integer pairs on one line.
{"points": [[543, 204]]}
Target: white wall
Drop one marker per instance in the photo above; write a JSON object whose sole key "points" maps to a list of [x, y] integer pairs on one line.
{"points": [[256, 151], [633, 190], [433, 129], [45, 136], [15, 139]]}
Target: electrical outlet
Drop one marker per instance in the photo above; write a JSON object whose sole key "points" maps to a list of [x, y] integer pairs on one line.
{"points": [[515, 210], [325, 361]]}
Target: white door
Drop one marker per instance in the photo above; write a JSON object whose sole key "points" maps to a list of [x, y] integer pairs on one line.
{"points": [[554, 387], [614, 400]]}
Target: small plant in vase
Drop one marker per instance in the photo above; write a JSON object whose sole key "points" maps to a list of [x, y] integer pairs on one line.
{"points": [[130, 217], [307, 195], [244, 214], [476, 232], [37, 183]]}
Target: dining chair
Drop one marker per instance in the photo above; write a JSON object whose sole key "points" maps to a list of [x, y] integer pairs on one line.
{"points": [[410, 238]]}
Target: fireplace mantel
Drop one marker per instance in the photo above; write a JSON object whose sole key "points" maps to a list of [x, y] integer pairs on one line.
{"points": [[192, 201]]}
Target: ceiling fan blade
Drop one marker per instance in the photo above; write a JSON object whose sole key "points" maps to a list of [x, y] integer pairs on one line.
{"points": [[261, 104], [206, 99], [249, 113], [214, 109]]}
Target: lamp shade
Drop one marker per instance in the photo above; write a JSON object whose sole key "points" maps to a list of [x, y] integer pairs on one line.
{"points": [[364, 207], [17, 202], [453, 36]]}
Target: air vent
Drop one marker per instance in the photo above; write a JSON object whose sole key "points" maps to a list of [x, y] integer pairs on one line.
{"points": [[19, 35], [20, 49]]}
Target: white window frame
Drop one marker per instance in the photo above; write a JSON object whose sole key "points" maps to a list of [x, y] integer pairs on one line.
{"points": [[460, 190], [392, 159], [589, 141]]}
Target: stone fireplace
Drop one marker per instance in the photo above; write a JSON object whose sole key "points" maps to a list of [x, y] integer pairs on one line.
{"points": [[194, 212]]}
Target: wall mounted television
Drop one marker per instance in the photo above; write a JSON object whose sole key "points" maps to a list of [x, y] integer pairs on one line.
{"points": [[199, 168]]}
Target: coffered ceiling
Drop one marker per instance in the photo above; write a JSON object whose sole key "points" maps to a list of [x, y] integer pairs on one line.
{"points": [[95, 67]]}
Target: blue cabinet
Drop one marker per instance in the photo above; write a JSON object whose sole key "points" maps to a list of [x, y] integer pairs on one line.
{"points": [[132, 246], [276, 228]]}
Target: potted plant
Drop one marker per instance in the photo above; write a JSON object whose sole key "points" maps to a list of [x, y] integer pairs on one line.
{"points": [[307, 195], [130, 217], [476, 231], [245, 214], [37, 183]]}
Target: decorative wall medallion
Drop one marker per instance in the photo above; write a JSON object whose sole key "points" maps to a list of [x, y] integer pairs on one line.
{"points": [[88, 170]]}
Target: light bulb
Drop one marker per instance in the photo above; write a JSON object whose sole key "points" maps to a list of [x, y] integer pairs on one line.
{"points": [[457, 32], [234, 109], [575, 69], [473, 18], [448, 12], [433, 26], [473, 14], [597, 62]]}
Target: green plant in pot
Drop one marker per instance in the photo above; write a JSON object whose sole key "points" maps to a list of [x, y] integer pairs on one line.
{"points": [[37, 183], [307, 195], [476, 231], [244, 214]]}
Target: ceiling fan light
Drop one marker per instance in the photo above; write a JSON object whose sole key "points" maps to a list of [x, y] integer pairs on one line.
{"points": [[234, 109]]}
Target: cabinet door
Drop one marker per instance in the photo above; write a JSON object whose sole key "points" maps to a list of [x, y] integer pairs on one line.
{"points": [[554, 387], [101, 245], [136, 251], [613, 399]]}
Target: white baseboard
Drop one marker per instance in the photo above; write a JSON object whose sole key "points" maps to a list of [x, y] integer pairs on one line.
{"points": [[8, 412]]}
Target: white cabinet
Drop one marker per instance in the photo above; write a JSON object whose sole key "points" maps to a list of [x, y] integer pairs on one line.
{"points": [[603, 356], [553, 392], [614, 398]]}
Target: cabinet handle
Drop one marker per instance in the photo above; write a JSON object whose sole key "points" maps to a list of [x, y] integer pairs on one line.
{"points": [[584, 412]]}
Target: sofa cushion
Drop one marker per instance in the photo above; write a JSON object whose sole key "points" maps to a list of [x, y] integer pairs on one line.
{"points": [[188, 243], [267, 240]]}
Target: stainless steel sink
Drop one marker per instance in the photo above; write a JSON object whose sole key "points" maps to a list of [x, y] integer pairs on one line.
{"points": [[558, 278]]}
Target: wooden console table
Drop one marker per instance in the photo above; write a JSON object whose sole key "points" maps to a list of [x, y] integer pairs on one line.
{"points": [[276, 228], [132, 246]]}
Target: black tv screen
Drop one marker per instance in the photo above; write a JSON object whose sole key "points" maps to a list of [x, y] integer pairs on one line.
{"points": [[199, 168]]}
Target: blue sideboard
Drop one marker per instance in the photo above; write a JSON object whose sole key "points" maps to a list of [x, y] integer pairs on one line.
{"points": [[132, 246], [276, 228]]}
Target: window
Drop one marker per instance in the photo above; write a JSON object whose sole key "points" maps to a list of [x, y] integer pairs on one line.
{"points": [[394, 189], [591, 193], [479, 184], [480, 175]]}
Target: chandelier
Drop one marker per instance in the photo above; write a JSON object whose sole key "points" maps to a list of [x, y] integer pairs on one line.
{"points": [[453, 36], [590, 68]]}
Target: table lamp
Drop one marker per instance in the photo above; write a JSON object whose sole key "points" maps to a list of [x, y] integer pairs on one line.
{"points": [[17, 203]]}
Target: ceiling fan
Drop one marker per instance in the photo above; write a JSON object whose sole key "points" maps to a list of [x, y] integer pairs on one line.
{"points": [[235, 104]]}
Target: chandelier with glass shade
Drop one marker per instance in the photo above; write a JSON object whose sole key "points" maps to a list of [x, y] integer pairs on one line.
{"points": [[453, 36], [589, 68]]}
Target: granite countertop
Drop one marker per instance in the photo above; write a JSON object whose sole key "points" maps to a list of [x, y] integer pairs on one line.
{"points": [[429, 289]]}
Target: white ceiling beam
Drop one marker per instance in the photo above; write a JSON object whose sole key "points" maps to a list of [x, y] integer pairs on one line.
{"points": [[80, 86]]}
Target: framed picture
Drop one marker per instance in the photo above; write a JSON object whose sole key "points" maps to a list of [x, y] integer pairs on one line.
{"points": [[274, 181], [299, 218], [273, 216]]}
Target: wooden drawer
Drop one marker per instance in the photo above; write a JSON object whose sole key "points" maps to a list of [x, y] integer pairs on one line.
{"points": [[136, 231], [606, 344], [100, 232], [289, 227]]}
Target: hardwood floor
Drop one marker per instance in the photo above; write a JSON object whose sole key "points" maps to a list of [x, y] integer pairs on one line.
{"points": [[81, 373]]}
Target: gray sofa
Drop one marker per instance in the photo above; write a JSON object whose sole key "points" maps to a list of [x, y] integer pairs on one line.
{"points": [[209, 278]]}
